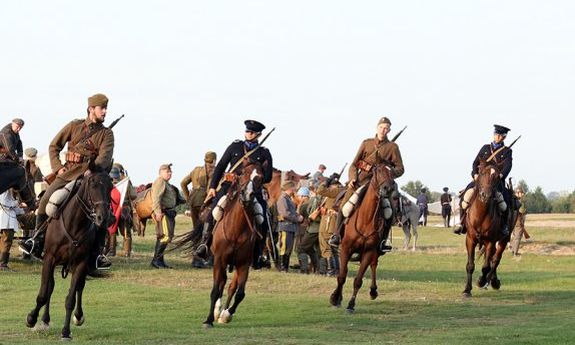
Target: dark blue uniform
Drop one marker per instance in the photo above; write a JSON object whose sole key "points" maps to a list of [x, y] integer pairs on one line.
{"points": [[504, 160]]}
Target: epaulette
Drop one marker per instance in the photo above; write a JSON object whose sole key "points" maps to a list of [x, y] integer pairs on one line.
{"points": [[237, 141]]}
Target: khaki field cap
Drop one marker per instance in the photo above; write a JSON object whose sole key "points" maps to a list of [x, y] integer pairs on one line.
{"points": [[31, 152], [19, 122], [384, 120], [167, 166], [210, 157], [98, 100]]}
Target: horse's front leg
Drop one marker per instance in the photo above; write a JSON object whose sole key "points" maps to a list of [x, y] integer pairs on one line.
{"points": [[217, 289], [483, 281], [494, 281], [470, 243], [225, 316], [337, 296], [71, 301], [43, 298], [373, 289], [366, 260], [406, 235], [241, 277], [415, 236], [81, 271]]}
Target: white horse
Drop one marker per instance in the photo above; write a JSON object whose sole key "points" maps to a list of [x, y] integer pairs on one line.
{"points": [[410, 220]]}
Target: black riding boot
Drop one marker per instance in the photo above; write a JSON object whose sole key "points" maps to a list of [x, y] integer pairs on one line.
{"points": [[4, 257], [35, 245], [461, 228], [155, 263], [322, 270], [161, 251], [202, 251], [383, 246], [303, 263], [331, 267], [335, 238], [505, 227], [102, 262]]}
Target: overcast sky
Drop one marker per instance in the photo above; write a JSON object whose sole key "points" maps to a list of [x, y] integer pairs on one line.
{"points": [[187, 74]]}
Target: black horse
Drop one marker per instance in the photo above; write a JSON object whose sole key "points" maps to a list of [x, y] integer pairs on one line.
{"points": [[16, 176], [70, 239]]}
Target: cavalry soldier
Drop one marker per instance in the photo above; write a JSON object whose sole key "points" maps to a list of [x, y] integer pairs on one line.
{"points": [[329, 189], [373, 151], [165, 198], [238, 150], [10, 143], [31, 153], [90, 144], [446, 207], [199, 177], [502, 155]]}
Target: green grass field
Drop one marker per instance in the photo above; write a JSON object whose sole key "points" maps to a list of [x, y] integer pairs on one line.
{"points": [[419, 303]]}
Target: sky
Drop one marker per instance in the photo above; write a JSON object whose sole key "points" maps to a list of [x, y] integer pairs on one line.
{"points": [[187, 74]]}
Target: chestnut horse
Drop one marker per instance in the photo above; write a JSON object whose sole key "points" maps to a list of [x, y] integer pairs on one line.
{"points": [[233, 243], [363, 233], [69, 242], [484, 225]]}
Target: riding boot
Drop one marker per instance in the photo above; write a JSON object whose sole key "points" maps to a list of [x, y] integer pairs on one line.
{"points": [[35, 245], [461, 228], [331, 268], [202, 251], [505, 227], [161, 251], [285, 263], [322, 270], [335, 238], [112, 242], [4, 257], [127, 246], [198, 262], [314, 260], [155, 263], [303, 263], [336, 263], [384, 247], [257, 261], [102, 262]]}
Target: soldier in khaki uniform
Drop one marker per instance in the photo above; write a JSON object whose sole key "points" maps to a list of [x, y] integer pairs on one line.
{"points": [[164, 202], [199, 177], [519, 230], [90, 146], [329, 189], [373, 151]]}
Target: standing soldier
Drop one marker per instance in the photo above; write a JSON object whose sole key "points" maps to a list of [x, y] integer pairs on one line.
{"points": [[422, 203], [446, 207], [9, 210], [10, 143], [520, 230], [329, 189], [288, 221], [310, 210], [237, 151], [90, 146], [31, 153], [503, 156], [373, 151], [199, 177], [317, 176]]}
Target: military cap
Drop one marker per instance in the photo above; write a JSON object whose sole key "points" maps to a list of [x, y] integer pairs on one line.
{"points": [[167, 166], [98, 100], [445, 189], [210, 157], [384, 120], [254, 126], [288, 185], [115, 173], [501, 129], [423, 190], [119, 166], [322, 167], [31, 152], [19, 122]]}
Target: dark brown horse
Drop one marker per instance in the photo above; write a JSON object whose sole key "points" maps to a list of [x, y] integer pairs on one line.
{"points": [[233, 243], [20, 178], [69, 242], [484, 225], [363, 233]]}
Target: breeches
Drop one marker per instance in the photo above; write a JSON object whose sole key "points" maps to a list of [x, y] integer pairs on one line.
{"points": [[57, 184], [308, 243], [285, 243], [446, 211], [165, 229]]}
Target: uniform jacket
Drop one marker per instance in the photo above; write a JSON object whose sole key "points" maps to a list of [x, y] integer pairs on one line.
{"points": [[164, 195], [287, 214], [307, 208], [329, 215], [8, 211], [99, 148], [11, 143], [384, 150], [199, 178], [445, 199], [234, 153], [504, 159]]}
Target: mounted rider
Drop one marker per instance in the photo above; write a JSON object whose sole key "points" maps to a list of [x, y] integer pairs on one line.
{"points": [[372, 151], [249, 149], [90, 145], [503, 157]]}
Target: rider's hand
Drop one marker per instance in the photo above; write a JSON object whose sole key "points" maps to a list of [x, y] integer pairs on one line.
{"points": [[352, 183], [62, 170], [211, 194], [475, 177], [87, 173]]}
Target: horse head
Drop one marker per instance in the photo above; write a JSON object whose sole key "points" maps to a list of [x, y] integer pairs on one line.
{"points": [[382, 181], [26, 188], [489, 176], [250, 181], [94, 197]]}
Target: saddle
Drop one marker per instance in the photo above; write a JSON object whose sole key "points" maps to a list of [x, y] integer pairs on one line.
{"points": [[60, 198]]}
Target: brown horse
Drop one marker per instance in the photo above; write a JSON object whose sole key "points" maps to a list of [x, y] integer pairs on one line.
{"points": [[69, 242], [233, 243], [20, 178], [142, 208], [484, 224], [363, 233]]}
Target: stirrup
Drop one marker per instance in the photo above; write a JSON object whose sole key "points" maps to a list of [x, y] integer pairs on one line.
{"points": [[202, 251], [106, 264], [30, 242], [384, 248], [334, 240]]}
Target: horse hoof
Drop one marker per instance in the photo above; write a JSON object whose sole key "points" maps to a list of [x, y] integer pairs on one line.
{"points": [[496, 284], [373, 294], [217, 309], [41, 327], [30, 321], [350, 310], [78, 322], [225, 317], [68, 338], [335, 300], [208, 325], [466, 294]]}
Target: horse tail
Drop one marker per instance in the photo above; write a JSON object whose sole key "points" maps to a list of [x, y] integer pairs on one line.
{"points": [[188, 241]]}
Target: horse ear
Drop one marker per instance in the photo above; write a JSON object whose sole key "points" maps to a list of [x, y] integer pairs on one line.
{"points": [[305, 177]]}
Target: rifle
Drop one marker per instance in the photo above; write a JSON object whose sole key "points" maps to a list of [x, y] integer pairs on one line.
{"points": [[501, 148], [51, 177], [398, 134]]}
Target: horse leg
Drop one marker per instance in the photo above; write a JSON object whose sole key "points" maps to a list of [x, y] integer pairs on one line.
{"points": [[415, 236], [225, 315], [366, 260], [241, 278], [217, 289], [46, 316], [336, 296], [81, 271], [470, 243], [71, 302], [373, 289], [494, 281], [407, 236], [45, 291], [483, 281]]}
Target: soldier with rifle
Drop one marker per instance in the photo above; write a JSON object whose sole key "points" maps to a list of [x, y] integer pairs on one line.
{"points": [[373, 151], [249, 148], [90, 147]]}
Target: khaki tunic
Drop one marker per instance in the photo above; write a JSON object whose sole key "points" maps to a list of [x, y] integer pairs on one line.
{"points": [[328, 218], [374, 152], [199, 178], [99, 148], [163, 195]]}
